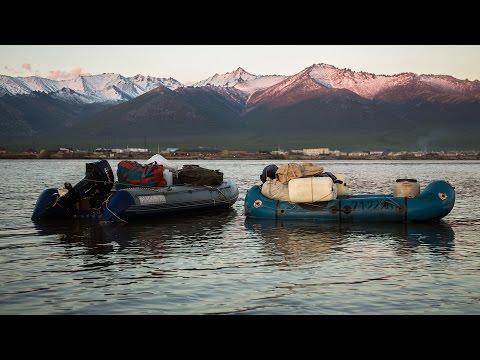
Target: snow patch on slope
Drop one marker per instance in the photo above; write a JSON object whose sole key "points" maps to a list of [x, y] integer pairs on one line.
{"points": [[364, 84], [241, 80], [259, 83]]}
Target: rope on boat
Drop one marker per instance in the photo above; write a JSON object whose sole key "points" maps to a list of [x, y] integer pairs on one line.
{"points": [[56, 200], [219, 191], [98, 181], [151, 188], [394, 203], [106, 206], [313, 203]]}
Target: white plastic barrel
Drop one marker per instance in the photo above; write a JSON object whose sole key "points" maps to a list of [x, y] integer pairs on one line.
{"points": [[406, 188], [342, 189], [311, 189], [168, 176]]}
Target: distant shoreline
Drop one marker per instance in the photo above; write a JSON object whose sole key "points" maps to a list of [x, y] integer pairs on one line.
{"points": [[252, 156]]}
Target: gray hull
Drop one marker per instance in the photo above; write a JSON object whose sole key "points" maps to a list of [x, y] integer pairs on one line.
{"points": [[127, 204]]}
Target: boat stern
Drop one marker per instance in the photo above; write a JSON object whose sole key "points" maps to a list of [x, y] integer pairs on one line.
{"points": [[433, 203], [49, 205]]}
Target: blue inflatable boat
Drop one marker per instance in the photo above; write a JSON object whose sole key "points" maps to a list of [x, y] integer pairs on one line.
{"points": [[98, 197], [433, 203]]}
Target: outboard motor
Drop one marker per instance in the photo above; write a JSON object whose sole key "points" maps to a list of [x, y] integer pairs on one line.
{"points": [[96, 184]]}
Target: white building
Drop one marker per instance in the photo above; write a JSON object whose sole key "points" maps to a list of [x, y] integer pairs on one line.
{"points": [[317, 151], [171, 149], [358, 153], [137, 150]]}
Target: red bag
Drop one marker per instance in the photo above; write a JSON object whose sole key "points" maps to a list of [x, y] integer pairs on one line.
{"points": [[133, 173]]}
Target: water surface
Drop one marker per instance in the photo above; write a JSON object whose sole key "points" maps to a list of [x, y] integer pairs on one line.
{"points": [[223, 263]]}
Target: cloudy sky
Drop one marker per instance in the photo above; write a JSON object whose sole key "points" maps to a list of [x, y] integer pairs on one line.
{"points": [[192, 63]]}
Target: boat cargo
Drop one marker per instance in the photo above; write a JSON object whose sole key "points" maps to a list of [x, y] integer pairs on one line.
{"points": [[327, 198], [99, 197]]}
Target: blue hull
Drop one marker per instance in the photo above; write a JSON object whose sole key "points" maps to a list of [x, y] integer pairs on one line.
{"points": [[433, 203]]}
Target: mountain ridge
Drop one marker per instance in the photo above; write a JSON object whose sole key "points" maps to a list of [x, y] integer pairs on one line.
{"points": [[106, 87], [320, 101]]}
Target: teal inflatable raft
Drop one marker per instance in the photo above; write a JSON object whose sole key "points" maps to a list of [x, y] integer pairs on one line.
{"points": [[433, 203]]}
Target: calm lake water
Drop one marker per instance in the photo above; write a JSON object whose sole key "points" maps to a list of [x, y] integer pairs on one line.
{"points": [[225, 264]]}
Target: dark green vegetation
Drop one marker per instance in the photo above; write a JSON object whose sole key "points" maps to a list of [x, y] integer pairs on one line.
{"points": [[25, 116], [209, 117]]}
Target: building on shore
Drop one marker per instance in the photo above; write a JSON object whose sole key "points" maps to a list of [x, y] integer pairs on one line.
{"points": [[316, 151], [279, 152]]}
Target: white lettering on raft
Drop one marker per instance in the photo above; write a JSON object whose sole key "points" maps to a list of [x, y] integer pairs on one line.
{"points": [[152, 199]]}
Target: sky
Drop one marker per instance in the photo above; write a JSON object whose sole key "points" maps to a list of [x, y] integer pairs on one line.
{"points": [[192, 63]]}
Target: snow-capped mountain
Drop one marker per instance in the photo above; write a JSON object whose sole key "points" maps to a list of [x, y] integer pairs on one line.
{"points": [[320, 99], [300, 86], [229, 79], [147, 83], [86, 89], [371, 86], [241, 80], [111, 88], [324, 78]]}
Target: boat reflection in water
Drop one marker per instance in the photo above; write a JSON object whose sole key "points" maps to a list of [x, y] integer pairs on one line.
{"points": [[307, 239], [147, 237]]}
